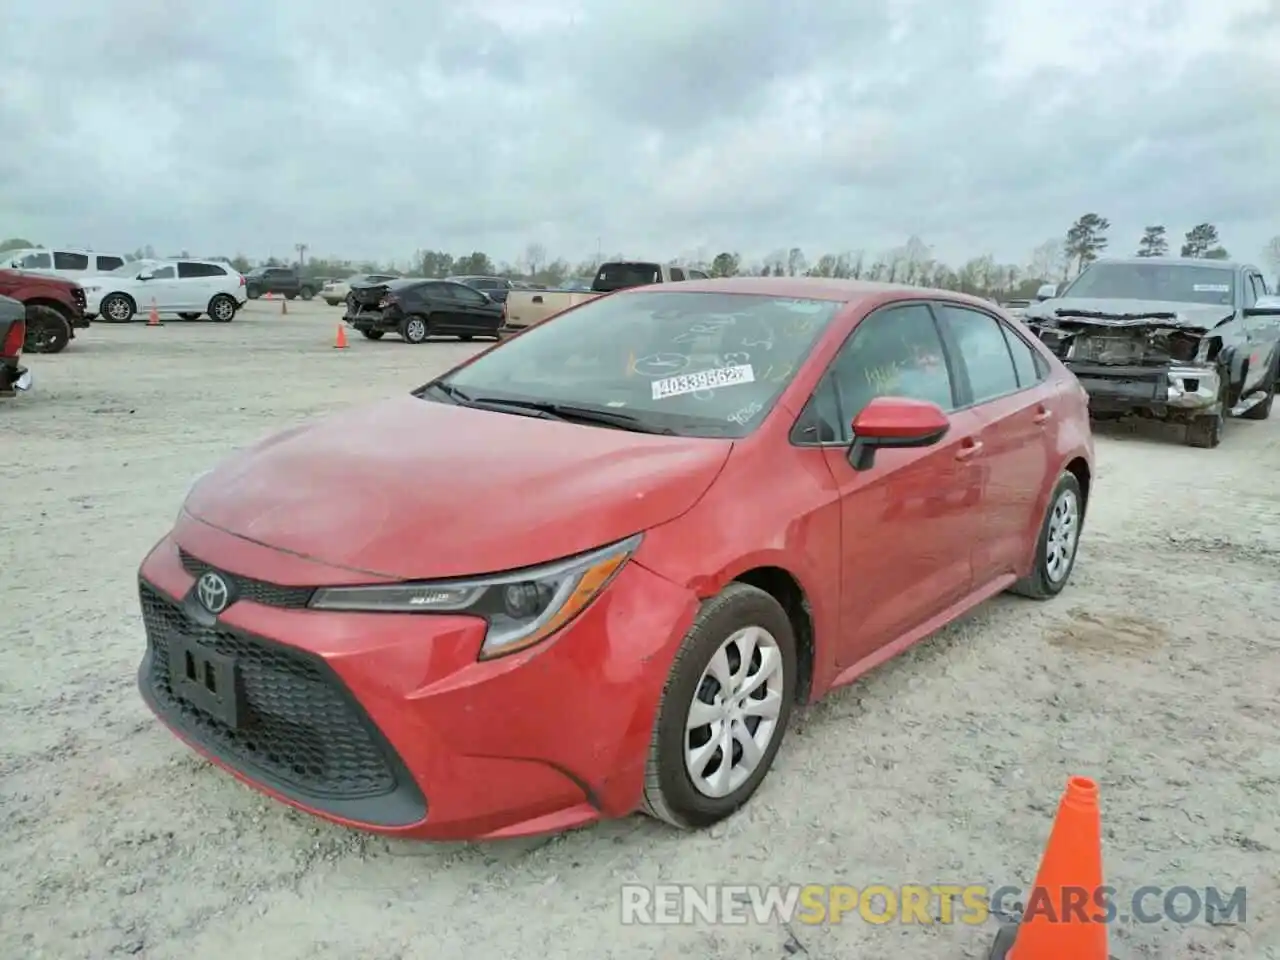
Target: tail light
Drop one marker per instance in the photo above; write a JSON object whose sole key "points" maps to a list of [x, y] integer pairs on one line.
{"points": [[386, 302], [12, 345], [242, 280]]}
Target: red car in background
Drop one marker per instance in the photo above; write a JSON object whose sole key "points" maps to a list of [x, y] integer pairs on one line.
{"points": [[592, 569]]}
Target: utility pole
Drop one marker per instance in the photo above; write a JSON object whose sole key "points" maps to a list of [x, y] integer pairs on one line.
{"points": [[302, 253]]}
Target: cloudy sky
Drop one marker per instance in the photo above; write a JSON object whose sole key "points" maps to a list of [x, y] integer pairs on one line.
{"points": [[658, 128]]}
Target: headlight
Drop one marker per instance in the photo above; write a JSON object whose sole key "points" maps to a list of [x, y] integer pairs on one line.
{"points": [[521, 608]]}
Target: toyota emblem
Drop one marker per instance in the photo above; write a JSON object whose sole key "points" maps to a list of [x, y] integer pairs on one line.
{"points": [[213, 592]]}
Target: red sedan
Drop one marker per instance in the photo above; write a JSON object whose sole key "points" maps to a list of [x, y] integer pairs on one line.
{"points": [[591, 570]]}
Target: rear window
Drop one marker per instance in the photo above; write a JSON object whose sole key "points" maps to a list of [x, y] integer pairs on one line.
{"points": [[618, 276]]}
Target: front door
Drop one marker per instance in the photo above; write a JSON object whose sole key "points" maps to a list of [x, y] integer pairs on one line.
{"points": [[907, 523], [163, 288], [1007, 391]]}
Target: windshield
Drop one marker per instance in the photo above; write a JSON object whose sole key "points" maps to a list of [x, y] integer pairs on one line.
{"points": [[618, 276], [698, 364], [132, 268], [1172, 282]]}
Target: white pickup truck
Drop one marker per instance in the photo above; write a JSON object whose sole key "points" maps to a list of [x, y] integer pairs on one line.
{"points": [[525, 308]]}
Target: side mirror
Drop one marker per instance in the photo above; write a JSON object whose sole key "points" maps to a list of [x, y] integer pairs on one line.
{"points": [[1047, 291], [895, 422], [146, 274]]}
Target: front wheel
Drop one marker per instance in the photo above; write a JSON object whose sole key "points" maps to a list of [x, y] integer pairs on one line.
{"points": [[413, 329], [222, 308], [117, 308], [1058, 542], [724, 710], [47, 330]]}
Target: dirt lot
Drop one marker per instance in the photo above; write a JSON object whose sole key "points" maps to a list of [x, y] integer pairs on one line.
{"points": [[1156, 672]]}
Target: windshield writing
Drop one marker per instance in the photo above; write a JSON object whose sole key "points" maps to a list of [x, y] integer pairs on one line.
{"points": [[1175, 283], [708, 364]]}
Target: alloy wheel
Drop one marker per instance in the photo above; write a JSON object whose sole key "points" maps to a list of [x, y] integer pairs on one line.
{"points": [[1064, 534], [734, 714]]}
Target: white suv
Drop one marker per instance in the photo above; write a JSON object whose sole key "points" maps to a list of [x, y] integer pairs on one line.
{"points": [[188, 288], [63, 262]]}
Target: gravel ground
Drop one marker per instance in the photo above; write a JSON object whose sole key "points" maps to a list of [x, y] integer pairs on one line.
{"points": [[1156, 672]]}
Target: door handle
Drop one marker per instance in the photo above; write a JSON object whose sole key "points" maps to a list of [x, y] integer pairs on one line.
{"points": [[537, 299], [1042, 415], [969, 450]]}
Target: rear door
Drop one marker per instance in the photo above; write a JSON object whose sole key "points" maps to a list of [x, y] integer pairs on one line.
{"points": [[1007, 390], [475, 313], [106, 263], [197, 283], [71, 265]]}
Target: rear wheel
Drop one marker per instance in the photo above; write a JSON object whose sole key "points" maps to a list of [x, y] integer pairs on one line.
{"points": [[291, 296], [117, 308], [306, 293], [222, 308], [724, 709], [253, 293], [48, 331], [414, 329], [1056, 546]]}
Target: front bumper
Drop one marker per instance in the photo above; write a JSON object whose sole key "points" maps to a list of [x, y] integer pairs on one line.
{"points": [[388, 722], [1159, 390]]}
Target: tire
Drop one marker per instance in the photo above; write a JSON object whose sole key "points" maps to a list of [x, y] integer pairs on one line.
{"points": [[1206, 431], [373, 334], [466, 337], [48, 331], [415, 329], [117, 308], [1262, 411], [253, 293], [222, 308], [333, 303], [670, 793], [189, 316], [1056, 556], [306, 293]]}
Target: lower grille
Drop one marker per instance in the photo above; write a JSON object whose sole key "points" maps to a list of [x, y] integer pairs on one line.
{"points": [[78, 295], [299, 731]]}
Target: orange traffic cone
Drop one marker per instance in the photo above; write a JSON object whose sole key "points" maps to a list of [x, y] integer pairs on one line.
{"points": [[284, 305], [341, 342], [268, 295], [153, 318], [1062, 918]]}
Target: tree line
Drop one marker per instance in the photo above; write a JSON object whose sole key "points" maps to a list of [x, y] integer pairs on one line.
{"points": [[1056, 260]]}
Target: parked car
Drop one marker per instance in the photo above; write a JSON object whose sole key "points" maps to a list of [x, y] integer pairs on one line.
{"points": [[188, 288], [528, 308], [286, 281], [1174, 339], [496, 288], [70, 264], [418, 309], [55, 308], [14, 377], [335, 291], [593, 569]]}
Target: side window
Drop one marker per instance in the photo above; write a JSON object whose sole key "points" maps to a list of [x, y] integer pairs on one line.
{"points": [[1024, 359], [444, 291], [186, 271], [36, 261], [894, 352], [1259, 287], [467, 295], [70, 261], [697, 275], [107, 264], [676, 274], [983, 350], [166, 272]]}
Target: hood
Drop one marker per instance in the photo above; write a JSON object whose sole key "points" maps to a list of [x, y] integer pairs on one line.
{"points": [[414, 489], [1069, 311]]}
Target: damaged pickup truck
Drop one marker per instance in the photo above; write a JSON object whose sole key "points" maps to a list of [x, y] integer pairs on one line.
{"points": [[1181, 340]]}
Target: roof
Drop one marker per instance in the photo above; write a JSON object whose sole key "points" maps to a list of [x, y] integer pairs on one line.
{"points": [[1176, 262], [820, 288]]}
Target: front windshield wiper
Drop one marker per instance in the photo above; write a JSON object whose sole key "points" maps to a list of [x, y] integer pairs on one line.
{"points": [[569, 411], [489, 403]]}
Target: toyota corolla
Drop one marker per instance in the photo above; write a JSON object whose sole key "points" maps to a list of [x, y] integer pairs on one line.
{"points": [[592, 570]]}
